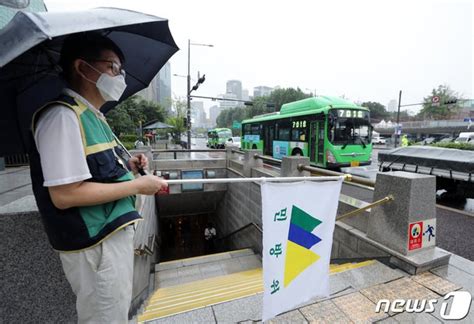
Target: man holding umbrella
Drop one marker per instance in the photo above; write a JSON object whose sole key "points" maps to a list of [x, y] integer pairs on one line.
{"points": [[84, 191]]}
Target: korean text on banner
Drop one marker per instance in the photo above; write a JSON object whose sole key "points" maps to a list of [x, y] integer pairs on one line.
{"points": [[298, 227]]}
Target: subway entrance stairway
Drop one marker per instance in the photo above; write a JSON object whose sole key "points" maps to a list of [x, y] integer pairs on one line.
{"points": [[228, 288]]}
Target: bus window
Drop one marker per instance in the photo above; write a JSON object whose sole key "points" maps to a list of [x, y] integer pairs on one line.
{"points": [[349, 127], [284, 134]]}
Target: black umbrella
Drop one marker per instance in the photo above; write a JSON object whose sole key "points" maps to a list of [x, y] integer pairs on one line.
{"points": [[29, 52]]}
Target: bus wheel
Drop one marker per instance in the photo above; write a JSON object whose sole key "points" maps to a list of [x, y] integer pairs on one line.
{"points": [[296, 152]]}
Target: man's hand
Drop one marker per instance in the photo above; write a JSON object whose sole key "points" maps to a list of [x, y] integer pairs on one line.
{"points": [[138, 161], [150, 184]]}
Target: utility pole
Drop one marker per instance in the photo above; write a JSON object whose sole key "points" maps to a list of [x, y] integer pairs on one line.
{"points": [[188, 112], [398, 119]]}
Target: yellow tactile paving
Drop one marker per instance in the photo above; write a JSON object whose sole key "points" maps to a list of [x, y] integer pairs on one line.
{"points": [[182, 298]]}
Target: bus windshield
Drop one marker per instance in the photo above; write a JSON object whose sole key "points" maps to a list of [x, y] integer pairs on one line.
{"points": [[224, 134], [349, 126]]}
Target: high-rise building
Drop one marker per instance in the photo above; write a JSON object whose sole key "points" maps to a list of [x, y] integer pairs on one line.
{"points": [[245, 95], [235, 87], [164, 87], [261, 91], [231, 103], [159, 90], [7, 12], [214, 111], [198, 115], [392, 105]]}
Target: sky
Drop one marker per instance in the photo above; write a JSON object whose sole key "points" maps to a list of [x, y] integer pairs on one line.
{"points": [[366, 50]]}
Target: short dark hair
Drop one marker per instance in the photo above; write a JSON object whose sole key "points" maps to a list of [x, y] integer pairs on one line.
{"points": [[85, 46]]}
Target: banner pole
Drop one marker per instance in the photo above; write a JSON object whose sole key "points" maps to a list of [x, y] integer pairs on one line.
{"points": [[262, 179]]}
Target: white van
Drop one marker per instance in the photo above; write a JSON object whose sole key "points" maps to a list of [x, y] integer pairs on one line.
{"points": [[465, 137], [376, 139]]}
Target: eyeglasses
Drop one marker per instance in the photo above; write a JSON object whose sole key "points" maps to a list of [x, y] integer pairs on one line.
{"points": [[114, 66]]}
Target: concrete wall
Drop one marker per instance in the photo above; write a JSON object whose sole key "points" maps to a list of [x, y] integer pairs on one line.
{"points": [[34, 288]]}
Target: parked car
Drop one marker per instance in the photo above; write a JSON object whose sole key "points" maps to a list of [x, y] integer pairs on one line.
{"points": [[379, 140], [233, 142]]}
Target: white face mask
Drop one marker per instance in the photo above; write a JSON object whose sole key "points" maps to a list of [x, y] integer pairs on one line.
{"points": [[111, 88]]}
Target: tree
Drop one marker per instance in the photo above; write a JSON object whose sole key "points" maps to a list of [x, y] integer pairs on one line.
{"points": [[177, 121], [280, 97], [377, 110], [126, 117], [443, 111]]}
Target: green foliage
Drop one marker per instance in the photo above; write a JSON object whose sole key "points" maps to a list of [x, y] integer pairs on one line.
{"points": [[377, 110], [129, 145], [278, 97], [459, 146], [128, 138], [177, 121], [443, 111], [126, 117]]}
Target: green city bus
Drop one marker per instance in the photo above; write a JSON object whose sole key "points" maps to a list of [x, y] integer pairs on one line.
{"points": [[217, 137], [331, 131]]}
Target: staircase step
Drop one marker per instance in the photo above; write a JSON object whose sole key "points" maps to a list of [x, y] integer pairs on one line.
{"points": [[186, 297], [175, 264]]}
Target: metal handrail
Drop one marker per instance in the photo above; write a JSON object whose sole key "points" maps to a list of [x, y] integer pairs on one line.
{"points": [[188, 151], [348, 177], [267, 159], [241, 229], [238, 152]]}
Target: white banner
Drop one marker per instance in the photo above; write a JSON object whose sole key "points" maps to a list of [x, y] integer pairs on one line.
{"points": [[298, 226]]}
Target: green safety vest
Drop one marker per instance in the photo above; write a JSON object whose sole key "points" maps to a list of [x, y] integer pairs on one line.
{"points": [[80, 228]]}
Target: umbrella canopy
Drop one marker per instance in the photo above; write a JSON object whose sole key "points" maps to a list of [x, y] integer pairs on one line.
{"points": [[29, 70], [158, 125]]}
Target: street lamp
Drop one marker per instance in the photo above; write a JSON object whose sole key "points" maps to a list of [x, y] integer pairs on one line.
{"points": [[188, 93]]}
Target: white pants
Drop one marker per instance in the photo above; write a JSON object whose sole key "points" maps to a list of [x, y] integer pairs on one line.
{"points": [[101, 278]]}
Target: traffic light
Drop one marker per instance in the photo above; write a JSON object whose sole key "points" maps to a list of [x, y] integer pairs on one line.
{"points": [[200, 81], [185, 122], [451, 101]]}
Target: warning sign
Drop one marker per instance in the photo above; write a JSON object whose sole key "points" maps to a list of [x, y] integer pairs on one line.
{"points": [[429, 232], [415, 236]]}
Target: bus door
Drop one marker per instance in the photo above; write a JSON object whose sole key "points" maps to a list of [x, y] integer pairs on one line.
{"points": [[317, 142], [269, 134]]}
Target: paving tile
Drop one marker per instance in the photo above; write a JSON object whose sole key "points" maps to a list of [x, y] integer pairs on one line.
{"points": [[370, 275], [406, 318], [243, 309], [358, 308], [437, 284], [404, 288], [290, 317], [457, 276], [324, 312], [203, 315]]}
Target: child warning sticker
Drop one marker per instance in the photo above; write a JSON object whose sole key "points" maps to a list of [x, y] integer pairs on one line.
{"points": [[415, 236]]}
